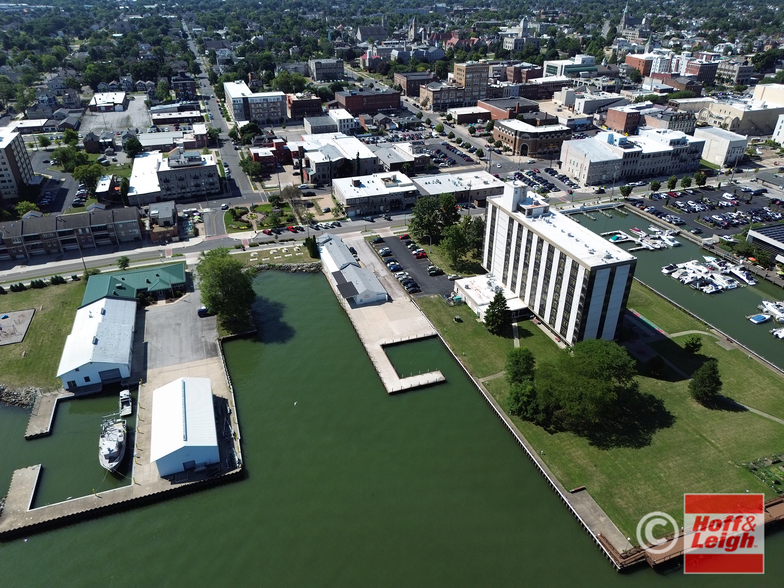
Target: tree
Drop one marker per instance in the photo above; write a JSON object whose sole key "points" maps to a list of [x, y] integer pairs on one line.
{"points": [[685, 181], [672, 182], [706, 384], [70, 137], [275, 199], [583, 389], [635, 76], [655, 185], [69, 158], [498, 144], [226, 289], [23, 207], [44, 141], [162, 92], [454, 243], [450, 213], [520, 365], [449, 116], [693, 344], [700, 178], [474, 229], [522, 401], [125, 187], [89, 175], [451, 135], [472, 130], [497, 314], [123, 263], [425, 218], [439, 128], [419, 115], [133, 147], [490, 126], [625, 191], [213, 134]]}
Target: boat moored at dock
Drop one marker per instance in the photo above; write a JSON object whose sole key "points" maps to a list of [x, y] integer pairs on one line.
{"points": [[111, 447], [126, 403], [758, 319]]}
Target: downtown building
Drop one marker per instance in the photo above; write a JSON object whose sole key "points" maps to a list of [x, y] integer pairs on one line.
{"points": [[259, 107], [574, 281], [16, 170]]}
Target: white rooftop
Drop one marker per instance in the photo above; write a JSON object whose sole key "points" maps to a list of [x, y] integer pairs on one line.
{"points": [[468, 110], [447, 183], [182, 416], [144, 176], [102, 332], [107, 98], [577, 241], [345, 146], [6, 136], [482, 289], [374, 185], [524, 127]]}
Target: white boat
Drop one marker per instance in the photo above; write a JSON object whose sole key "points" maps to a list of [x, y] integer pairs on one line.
{"points": [[726, 282], [778, 333], [670, 240], [711, 288], [743, 275], [775, 309], [111, 447], [758, 319], [654, 229], [126, 403], [639, 232], [668, 269]]}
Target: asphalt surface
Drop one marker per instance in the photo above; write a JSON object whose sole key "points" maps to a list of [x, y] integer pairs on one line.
{"points": [[417, 268]]}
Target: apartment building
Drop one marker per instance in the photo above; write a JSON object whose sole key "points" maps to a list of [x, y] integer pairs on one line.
{"points": [[16, 170], [438, 96], [735, 72], [347, 123], [181, 175], [472, 77], [259, 107], [326, 70], [375, 194], [29, 237], [298, 106], [574, 281], [543, 140], [611, 157]]}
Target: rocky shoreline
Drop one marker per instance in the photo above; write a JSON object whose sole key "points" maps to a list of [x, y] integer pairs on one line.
{"points": [[292, 268], [21, 397]]}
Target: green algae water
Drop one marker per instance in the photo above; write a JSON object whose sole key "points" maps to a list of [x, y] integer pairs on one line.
{"points": [[345, 486]]}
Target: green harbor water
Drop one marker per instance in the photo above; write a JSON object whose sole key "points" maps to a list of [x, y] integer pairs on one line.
{"points": [[726, 310], [345, 486]]}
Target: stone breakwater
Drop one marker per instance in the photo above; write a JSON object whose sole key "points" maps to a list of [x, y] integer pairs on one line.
{"points": [[21, 397], [291, 268]]}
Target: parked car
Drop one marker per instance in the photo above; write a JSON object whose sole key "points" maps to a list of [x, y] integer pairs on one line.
{"points": [[377, 240], [203, 311]]}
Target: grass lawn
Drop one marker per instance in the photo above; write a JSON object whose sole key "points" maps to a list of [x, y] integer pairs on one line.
{"points": [[468, 266], [660, 312], [122, 170], [699, 452], [75, 209], [34, 361], [483, 353], [233, 226]]}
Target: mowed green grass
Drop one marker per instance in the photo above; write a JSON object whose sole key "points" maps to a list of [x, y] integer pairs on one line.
{"points": [[483, 353], [698, 453], [34, 361], [660, 312]]}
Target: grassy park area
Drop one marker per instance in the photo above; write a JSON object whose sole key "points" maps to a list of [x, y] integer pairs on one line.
{"points": [[34, 361]]}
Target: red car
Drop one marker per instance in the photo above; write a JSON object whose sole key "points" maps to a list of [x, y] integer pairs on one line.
{"points": [[291, 229], [267, 232], [420, 255], [404, 236], [536, 171]]}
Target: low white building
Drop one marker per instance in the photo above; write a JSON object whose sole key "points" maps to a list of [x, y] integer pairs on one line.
{"points": [[474, 186], [183, 435], [376, 193], [354, 283], [721, 147], [347, 123], [99, 349], [478, 292]]}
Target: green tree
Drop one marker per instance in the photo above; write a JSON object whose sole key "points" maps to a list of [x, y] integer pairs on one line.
{"points": [[584, 389], [700, 178], [693, 344], [439, 128], [672, 182], [449, 212], [44, 141], [226, 289], [685, 181], [123, 263], [425, 218], [419, 115], [70, 137], [234, 133], [125, 187], [480, 153], [454, 243], [89, 175], [520, 365], [213, 134], [497, 314], [274, 199], [625, 191], [23, 207], [635, 76], [162, 92], [449, 116], [472, 130], [133, 147], [451, 135], [522, 400], [490, 126], [705, 385], [655, 185], [69, 158], [498, 144]]}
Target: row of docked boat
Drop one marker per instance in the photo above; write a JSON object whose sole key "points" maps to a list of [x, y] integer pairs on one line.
{"points": [[657, 239], [770, 310], [704, 277]]}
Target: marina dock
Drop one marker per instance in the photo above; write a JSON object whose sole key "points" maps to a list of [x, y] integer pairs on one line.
{"points": [[145, 484], [42, 415], [396, 321]]}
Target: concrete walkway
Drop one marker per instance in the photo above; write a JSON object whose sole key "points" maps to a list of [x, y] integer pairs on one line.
{"points": [[42, 415]]}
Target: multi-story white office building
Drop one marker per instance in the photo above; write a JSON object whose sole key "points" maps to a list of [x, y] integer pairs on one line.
{"points": [[573, 280], [259, 107], [15, 167], [347, 123]]}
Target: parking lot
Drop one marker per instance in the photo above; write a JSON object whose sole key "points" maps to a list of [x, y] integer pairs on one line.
{"points": [[719, 211], [135, 117], [416, 268]]}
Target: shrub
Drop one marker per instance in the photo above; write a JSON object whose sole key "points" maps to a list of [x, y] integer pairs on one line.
{"points": [[37, 284], [93, 271], [254, 244], [238, 247], [55, 280], [2, 290], [20, 287]]}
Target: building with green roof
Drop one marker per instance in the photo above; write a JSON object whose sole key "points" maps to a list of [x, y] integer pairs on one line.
{"points": [[128, 284]]}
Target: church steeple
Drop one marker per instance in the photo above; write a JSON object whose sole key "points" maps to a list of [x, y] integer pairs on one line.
{"points": [[649, 44], [624, 15]]}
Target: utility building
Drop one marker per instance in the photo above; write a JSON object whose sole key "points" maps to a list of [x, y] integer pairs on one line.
{"points": [[183, 435]]}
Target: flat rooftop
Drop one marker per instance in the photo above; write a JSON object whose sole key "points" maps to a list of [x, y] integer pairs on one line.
{"points": [[524, 127]]}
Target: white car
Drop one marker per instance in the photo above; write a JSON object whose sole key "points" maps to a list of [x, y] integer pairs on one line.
{"points": [[531, 161]]}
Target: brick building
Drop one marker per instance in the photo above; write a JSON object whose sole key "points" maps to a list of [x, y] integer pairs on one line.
{"points": [[410, 82], [472, 76], [529, 140], [298, 106], [522, 73], [368, 101], [184, 86], [703, 71], [503, 108]]}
